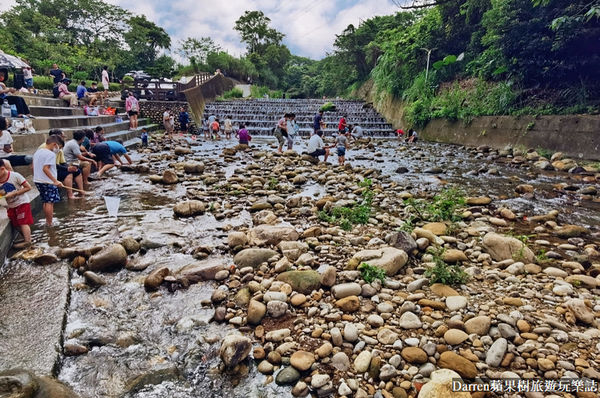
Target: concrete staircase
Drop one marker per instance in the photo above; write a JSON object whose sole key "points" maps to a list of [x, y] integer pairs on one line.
{"points": [[53, 113], [261, 115]]}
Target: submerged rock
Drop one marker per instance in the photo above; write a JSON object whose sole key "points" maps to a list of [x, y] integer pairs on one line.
{"points": [[189, 208], [19, 383], [234, 349], [113, 258]]}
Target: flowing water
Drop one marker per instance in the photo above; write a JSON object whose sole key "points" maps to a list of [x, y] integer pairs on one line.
{"points": [[162, 344]]}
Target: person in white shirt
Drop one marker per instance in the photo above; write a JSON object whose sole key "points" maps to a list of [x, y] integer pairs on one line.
{"points": [[105, 81], [316, 146], [45, 175]]}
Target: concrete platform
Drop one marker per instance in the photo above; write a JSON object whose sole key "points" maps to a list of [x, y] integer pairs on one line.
{"points": [[46, 111]]}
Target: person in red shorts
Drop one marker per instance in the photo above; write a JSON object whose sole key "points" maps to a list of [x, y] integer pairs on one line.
{"points": [[14, 188]]}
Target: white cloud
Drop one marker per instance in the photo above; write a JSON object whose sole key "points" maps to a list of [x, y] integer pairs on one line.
{"points": [[310, 26]]}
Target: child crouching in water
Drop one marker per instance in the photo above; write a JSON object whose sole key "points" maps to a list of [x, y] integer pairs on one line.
{"points": [[243, 135], [14, 188]]}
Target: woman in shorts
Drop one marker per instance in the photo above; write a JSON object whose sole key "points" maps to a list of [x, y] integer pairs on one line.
{"points": [[132, 106]]}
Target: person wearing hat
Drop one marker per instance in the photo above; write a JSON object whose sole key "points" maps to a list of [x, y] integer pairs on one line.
{"points": [[65, 94]]}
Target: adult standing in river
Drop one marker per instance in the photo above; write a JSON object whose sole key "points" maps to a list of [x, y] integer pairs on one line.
{"points": [[318, 123], [292, 130], [281, 131], [132, 107]]}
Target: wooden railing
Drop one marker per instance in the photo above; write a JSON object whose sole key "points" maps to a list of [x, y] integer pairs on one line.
{"points": [[167, 91]]}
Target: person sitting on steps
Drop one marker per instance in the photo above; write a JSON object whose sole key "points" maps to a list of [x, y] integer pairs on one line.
{"points": [[65, 94]]}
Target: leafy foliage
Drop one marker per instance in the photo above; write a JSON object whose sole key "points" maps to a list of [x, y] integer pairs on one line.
{"points": [[446, 273], [442, 207], [346, 217], [369, 273]]}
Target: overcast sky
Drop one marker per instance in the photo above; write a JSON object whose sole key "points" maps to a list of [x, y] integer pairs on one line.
{"points": [[309, 25]]}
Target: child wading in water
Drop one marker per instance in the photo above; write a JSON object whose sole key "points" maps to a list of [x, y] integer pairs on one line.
{"points": [[14, 188], [45, 175], [341, 142]]}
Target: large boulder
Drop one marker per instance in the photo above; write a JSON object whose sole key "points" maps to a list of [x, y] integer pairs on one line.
{"points": [[440, 386], [253, 257], [389, 259], [301, 281], [293, 249], [112, 258], [506, 247], [234, 349], [19, 383], [272, 234], [189, 208]]}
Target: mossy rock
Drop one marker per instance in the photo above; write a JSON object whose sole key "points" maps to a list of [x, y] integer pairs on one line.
{"points": [[301, 281]]}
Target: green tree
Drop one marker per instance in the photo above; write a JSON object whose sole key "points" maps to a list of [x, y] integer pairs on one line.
{"points": [[254, 30], [144, 39], [197, 49]]}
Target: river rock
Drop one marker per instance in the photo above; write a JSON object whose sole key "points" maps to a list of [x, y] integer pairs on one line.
{"points": [[302, 360], [112, 258], [256, 312], [454, 256], [455, 336], [440, 385], [19, 383], [328, 276], [389, 259], [93, 279], [362, 361], [401, 240], [45, 259], [301, 281], [288, 375], [292, 249], [408, 320], [193, 167], [507, 248], [414, 355], [479, 325], [234, 349], [387, 336], [436, 228], [319, 380], [455, 303], [570, 231], [430, 236], [340, 361], [236, 238], [276, 308], [189, 208], [271, 234], [201, 271], [131, 245], [155, 278], [350, 333], [265, 217], [581, 311], [253, 257], [348, 304], [496, 352], [460, 365], [479, 201], [169, 177], [346, 289], [181, 150]]}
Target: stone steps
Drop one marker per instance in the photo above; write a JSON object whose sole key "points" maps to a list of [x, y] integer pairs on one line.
{"points": [[261, 115], [48, 111]]}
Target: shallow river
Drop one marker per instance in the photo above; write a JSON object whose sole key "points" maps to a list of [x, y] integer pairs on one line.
{"points": [[168, 337]]}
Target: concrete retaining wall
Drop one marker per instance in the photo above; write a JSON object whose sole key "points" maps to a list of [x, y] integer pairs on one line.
{"points": [[154, 110], [577, 136]]}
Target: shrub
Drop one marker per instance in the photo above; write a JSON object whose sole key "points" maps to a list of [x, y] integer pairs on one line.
{"points": [[369, 273], [233, 93], [445, 273]]}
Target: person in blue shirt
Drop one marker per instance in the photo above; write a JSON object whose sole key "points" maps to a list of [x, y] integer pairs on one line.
{"points": [[116, 150], [144, 138], [84, 95], [184, 120]]}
